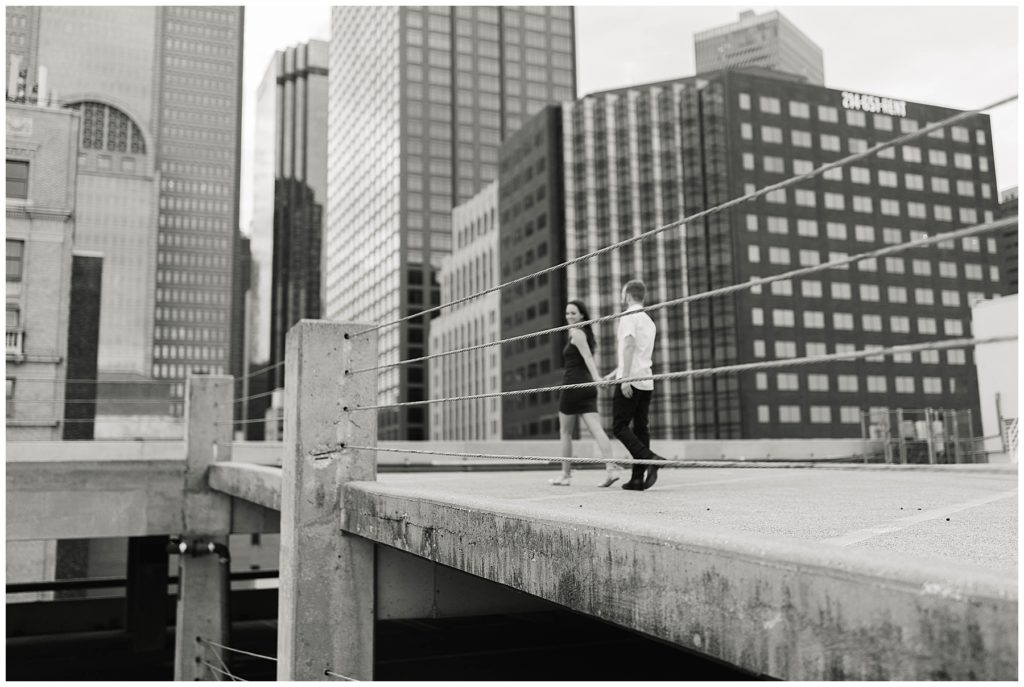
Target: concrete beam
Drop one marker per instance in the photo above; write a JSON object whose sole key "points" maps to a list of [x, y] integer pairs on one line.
{"points": [[86, 499], [780, 608], [259, 484]]}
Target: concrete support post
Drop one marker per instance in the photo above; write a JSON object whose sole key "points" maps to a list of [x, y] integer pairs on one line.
{"points": [[929, 435], [203, 579], [326, 598]]}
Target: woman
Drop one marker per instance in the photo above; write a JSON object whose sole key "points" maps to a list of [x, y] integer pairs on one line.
{"points": [[574, 403]]}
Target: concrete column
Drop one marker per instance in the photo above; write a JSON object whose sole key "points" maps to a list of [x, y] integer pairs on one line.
{"points": [[203, 580], [326, 598], [146, 595]]}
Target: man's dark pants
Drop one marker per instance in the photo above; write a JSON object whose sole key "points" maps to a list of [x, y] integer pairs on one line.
{"points": [[638, 439]]}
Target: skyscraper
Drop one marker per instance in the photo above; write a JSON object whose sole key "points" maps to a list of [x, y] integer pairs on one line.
{"points": [[420, 100], [159, 91], [760, 40], [290, 191]]}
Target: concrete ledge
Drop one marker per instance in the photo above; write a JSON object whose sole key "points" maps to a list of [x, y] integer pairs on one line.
{"points": [[785, 609], [94, 451], [84, 499], [259, 484]]}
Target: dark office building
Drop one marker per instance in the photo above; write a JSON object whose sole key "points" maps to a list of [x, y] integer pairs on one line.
{"points": [[290, 191], [698, 144], [532, 231], [1008, 240], [83, 347]]}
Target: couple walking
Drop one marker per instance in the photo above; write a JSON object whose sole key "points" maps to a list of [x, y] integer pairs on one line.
{"points": [[630, 404]]}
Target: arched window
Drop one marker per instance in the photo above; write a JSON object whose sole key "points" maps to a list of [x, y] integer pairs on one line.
{"points": [[107, 128]]}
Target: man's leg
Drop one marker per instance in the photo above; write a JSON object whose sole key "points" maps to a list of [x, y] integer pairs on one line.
{"points": [[623, 410], [642, 431]]}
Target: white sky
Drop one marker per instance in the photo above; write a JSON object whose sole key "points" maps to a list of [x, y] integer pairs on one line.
{"points": [[954, 56]]}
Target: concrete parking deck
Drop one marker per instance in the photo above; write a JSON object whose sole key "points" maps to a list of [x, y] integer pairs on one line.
{"points": [[867, 573]]}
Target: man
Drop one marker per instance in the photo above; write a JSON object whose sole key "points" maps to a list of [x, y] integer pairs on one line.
{"points": [[632, 400]]}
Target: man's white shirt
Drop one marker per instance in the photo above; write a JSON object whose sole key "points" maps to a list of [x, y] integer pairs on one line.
{"points": [[643, 330]]}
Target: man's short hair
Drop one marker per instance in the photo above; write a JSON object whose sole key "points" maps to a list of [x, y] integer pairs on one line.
{"points": [[636, 290]]}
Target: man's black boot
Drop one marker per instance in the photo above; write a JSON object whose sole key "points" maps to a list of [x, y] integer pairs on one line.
{"points": [[652, 472]]}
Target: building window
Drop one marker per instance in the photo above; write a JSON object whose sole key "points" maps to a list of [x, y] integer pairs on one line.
{"points": [[787, 381], [876, 384], [931, 385], [857, 145], [937, 157], [841, 291], [778, 225], [757, 317], [921, 268], [17, 179], [887, 178], [956, 356], [10, 397], [836, 230], [926, 325], [849, 415], [744, 101], [782, 288], [847, 383], [899, 324], [914, 210], [869, 292], [774, 164], [789, 414], [830, 142], [807, 227], [842, 320], [785, 349], [930, 357], [748, 161], [897, 294], [834, 174], [856, 118], [771, 134], [821, 414], [751, 222], [943, 213], [769, 105], [860, 175], [15, 259], [778, 256], [862, 204], [828, 114], [746, 131], [814, 319], [801, 139], [864, 232], [804, 198], [953, 327], [911, 154], [761, 381], [817, 382], [809, 258], [802, 166], [810, 288], [962, 161], [871, 323], [882, 122], [763, 414], [782, 317], [924, 297], [904, 385], [799, 109], [895, 265]]}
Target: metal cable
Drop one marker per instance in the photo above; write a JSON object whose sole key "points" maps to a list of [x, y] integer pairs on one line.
{"points": [[215, 669], [727, 369], [704, 213], [331, 673], [246, 422], [262, 370], [255, 396], [667, 462], [219, 658], [721, 291], [237, 651], [101, 400]]}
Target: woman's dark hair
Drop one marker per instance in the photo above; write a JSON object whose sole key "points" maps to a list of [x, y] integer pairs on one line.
{"points": [[587, 331]]}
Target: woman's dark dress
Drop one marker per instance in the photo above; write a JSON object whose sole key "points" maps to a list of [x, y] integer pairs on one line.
{"points": [[576, 401]]}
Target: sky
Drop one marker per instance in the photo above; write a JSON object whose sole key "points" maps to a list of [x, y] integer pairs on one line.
{"points": [[954, 56]]}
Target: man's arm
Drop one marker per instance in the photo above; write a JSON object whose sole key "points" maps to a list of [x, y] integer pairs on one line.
{"points": [[628, 352]]}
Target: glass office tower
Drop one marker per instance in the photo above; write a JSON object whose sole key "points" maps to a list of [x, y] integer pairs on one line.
{"points": [[420, 99]]}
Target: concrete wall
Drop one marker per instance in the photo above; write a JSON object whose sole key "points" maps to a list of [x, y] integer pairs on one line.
{"points": [[997, 367]]}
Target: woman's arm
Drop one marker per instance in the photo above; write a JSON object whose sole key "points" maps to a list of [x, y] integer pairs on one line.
{"points": [[579, 339]]}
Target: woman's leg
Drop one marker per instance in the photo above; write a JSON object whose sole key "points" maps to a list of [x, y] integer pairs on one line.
{"points": [[593, 422], [566, 426]]}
